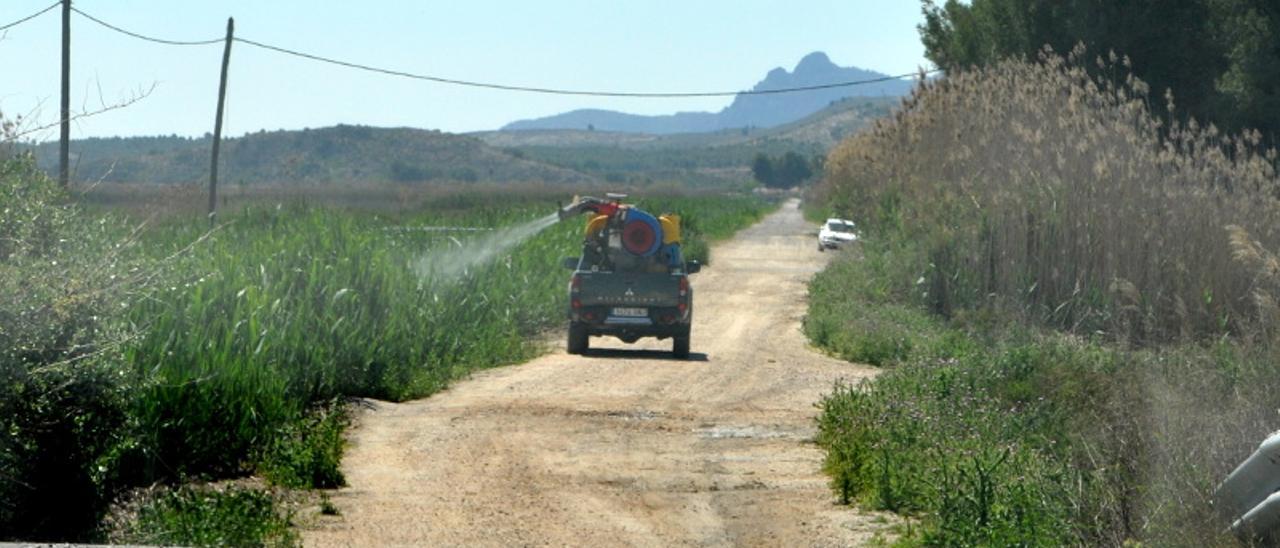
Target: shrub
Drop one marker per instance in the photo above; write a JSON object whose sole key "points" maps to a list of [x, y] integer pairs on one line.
{"points": [[206, 516], [63, 387], [308, 453]]}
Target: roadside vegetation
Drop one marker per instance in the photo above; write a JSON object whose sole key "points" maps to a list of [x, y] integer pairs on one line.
{"points": [[1076, 302], [156, 352], [206, 516]]}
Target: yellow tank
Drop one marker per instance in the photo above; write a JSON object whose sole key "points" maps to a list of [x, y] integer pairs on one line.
{"points": [[595, 223], [670, 228]]}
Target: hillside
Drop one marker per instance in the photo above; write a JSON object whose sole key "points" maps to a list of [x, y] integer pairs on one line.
{"points": [[822, 129], [711, 158], [746, 111], [361, 154], [702, 158], [335, 154]]}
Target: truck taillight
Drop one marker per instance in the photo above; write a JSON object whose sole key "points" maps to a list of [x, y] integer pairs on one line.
{"points": [[576, 303], [684, 286], [681, 306], [575, 284]]}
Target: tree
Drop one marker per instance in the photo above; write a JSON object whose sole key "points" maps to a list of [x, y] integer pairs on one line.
{"points": [[793, 169], [762, 170], [1250, 86], [1178, 45], [786, 171]]}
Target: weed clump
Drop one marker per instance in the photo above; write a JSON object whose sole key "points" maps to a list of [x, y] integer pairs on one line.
{"points": [[207, 516], [308, 453]]}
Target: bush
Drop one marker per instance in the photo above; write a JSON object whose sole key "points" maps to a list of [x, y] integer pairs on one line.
{"points": [[1041, 439], [308, 453], [63, 387], [202, 516], [61, 430]]}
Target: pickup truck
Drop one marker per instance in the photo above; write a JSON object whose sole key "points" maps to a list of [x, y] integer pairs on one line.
{"points": [[631, 281]]}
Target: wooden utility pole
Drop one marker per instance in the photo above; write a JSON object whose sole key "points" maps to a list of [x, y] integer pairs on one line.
{"points": [[64, 151], [217, 124]]}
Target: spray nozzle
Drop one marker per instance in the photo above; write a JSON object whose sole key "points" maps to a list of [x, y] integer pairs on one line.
{"points": [[588, 203]]}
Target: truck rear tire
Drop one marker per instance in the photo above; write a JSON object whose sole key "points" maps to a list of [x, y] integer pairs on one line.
{"points": [[680, 346], [578, 339]]}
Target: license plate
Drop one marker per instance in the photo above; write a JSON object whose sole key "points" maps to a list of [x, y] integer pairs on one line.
{"points": [[631, 312]]}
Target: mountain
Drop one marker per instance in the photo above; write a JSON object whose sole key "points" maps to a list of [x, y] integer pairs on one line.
{"points": [[827, 127], [709, 158], [340, 154], [817, 131], [760, 111]]}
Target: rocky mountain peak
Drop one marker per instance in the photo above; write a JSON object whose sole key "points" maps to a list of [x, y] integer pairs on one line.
{"points": [[815, 62], [761, 111]]}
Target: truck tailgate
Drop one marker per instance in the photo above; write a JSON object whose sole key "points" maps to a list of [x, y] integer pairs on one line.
{"points": [[629, 289]]}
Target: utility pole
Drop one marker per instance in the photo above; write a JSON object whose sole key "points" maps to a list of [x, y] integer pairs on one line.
{"points": [[64, 151], [217, 124]]}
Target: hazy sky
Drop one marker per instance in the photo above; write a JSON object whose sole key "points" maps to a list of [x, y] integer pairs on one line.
{"points": [[677, 45]]}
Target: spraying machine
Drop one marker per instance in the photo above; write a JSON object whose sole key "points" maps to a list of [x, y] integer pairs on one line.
{"points": [[632, 280]]}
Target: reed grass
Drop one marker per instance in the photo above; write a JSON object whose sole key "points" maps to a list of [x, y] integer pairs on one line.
{"points": [[1043, 187], [1081, 301]]}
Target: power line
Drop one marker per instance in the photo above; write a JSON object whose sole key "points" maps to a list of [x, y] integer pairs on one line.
{"points": [[559, 91], [145, 37], [503, 87], [30, 17]]}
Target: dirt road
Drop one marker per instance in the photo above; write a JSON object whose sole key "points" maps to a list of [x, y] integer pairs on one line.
{"points": [[623, 446]]}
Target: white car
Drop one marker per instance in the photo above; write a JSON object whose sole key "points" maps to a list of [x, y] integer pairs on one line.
{"points": [[836, 233]]}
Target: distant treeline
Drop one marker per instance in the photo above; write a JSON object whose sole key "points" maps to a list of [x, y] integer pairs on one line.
{"points": [[695, 164], [1220, 58], [787, 170], [341, 153]]}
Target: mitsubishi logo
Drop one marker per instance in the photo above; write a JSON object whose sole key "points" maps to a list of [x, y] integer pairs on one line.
{"points": [[629, 293]]}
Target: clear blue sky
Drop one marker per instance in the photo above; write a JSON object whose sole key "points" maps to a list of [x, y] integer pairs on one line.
{"points": [[646, 45]]}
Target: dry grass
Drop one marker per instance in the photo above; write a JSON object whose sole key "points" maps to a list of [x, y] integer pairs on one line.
{"points": [[1042, 185]]}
